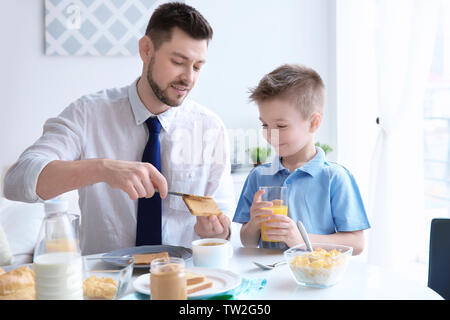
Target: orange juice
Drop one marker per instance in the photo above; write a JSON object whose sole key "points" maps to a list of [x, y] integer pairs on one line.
{"points": [[282, 210]]}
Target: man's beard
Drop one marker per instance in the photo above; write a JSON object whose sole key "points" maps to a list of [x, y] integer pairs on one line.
{"points": [[160, 93]]}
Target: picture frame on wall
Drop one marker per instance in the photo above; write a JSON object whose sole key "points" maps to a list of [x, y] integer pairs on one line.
{"points": [[96, 27]]}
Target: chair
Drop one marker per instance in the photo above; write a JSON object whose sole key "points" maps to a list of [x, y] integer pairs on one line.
{"points": [[439, 257]]}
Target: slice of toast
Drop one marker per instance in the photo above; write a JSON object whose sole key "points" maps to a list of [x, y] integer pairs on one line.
{"points": [[199, 286], [147, 258], [201, 206], [194, 278]]}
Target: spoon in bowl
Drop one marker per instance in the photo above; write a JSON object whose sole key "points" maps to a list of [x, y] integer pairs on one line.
{"points": [[305, 236]]}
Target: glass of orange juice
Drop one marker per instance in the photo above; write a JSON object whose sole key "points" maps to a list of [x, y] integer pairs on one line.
{"points": [[278, 195]]}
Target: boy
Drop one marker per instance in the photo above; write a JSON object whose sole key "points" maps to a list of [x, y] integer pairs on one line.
{"points": [[322, 194]]}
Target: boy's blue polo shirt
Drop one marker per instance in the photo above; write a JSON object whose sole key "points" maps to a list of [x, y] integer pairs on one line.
{"points": [[323, 195]]}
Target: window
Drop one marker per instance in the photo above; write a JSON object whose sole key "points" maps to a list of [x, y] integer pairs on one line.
{"points": [[436, 115]]}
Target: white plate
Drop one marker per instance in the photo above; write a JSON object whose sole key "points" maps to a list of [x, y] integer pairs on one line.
{"points": [[223, 281]]}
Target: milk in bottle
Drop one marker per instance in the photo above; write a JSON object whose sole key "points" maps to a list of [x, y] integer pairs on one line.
{"points": [[57, 260]]}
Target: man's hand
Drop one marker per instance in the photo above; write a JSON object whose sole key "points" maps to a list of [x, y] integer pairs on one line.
{"points": [[214, 226], [137, 179]]}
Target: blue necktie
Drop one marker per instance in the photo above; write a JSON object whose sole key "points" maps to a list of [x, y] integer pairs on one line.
{"points": [[148, 230]]}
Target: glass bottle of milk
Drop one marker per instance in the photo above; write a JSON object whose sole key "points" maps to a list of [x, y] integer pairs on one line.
{"points": [[57, 260]]}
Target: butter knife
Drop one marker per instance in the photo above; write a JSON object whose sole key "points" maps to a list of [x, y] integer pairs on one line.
{"points": [[185, 194]]}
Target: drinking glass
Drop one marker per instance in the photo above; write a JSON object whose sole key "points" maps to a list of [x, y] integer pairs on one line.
{"points": [[278, 195]]}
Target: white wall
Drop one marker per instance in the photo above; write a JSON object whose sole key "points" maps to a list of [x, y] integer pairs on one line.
{"points": [[35, 87], [251, 38]]}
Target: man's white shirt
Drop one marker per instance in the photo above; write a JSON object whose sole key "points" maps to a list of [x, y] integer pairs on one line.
{"points": [[111, 124]]}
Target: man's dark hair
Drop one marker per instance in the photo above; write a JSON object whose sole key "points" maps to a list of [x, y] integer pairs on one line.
{"points": [[180, 15]]}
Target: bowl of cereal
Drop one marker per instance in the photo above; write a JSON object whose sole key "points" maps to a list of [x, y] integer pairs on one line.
{"points": [[104, 280], [321, 268]]}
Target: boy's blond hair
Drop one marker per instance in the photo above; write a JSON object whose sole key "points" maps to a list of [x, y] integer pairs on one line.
{"points": [[298, 83]]}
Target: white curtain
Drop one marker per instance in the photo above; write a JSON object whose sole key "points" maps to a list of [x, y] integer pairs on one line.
{"points": [[405, 31]]}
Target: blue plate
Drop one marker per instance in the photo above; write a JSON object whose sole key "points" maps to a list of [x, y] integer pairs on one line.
{"points": [[174, 251]]}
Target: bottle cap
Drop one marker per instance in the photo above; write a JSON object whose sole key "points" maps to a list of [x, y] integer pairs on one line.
{"points": [[56, 205]]}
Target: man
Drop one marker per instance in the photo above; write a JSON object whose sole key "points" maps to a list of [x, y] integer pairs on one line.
{"points": [[98, 144]]}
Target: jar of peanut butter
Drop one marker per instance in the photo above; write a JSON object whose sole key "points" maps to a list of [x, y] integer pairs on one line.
{"points": [[167, 279]]}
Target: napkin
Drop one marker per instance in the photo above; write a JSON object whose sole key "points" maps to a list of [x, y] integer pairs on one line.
{"points": [[244, 291]]}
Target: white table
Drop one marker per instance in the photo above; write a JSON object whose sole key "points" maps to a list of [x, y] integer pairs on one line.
{"points": [[361, 281]]}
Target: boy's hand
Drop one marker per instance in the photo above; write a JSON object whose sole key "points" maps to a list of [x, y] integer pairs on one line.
{"points": [[284, 229], [257, 214]]}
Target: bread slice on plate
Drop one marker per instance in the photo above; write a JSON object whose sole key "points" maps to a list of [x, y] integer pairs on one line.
{"points": [[196, 282], [205, 284], [194, 278], [147, 258]]}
